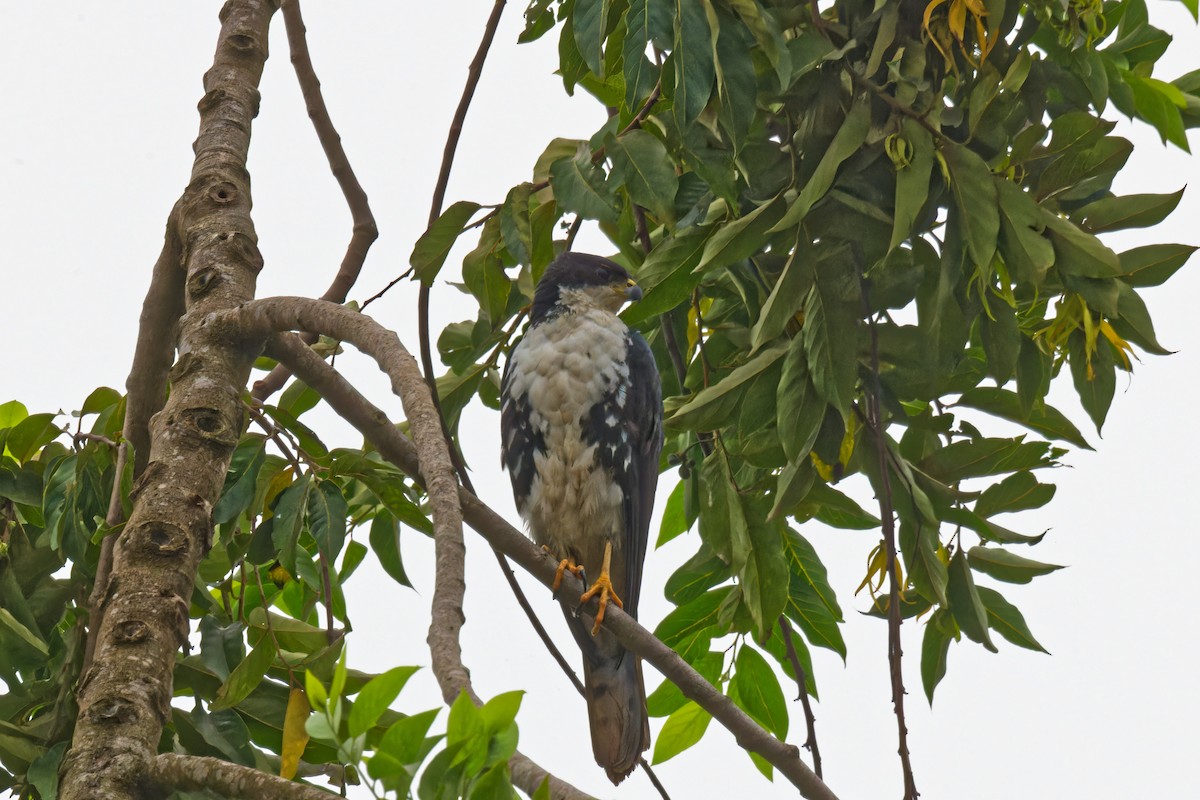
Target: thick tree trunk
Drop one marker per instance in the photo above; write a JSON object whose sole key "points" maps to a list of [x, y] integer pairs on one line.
{"points": [[125, 696]]}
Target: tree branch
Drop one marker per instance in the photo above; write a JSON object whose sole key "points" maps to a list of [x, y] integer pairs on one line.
{"points": [[172, 771], [474, 72], [895, 654], [810, 720], [125, 697], [392, 445], [364, 231]]}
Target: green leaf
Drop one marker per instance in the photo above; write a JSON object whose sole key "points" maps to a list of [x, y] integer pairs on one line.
{"points": [[1095, 379], [327, 513], [43, 771], [29, 435], [374, 698], [912, 181], [1006, 620], [642, 165], [697, 412], [975, 196], [246, 676], [956, 515], [694, 623], [805, 563], [1078, 253], [21, 486], [1153, 264], [758, 690], [737, 86], [846, 142], [646, 21], [787, 295], [799, 410], [682, 730], [1159, 103], [579, 186], [667, 276], [14, 634], [1026, 251], [836, 509], [935, 647], [1005, 566], [1018, 492], [1045, 419], [965, 604], [830, 336], [288, 520], [1133, 321], [693, 62], [811, 603], [495, 784], [1130, 211], [588, 23], [399, 752], [385, 542], [430, 251], [695, 576], [739, 239], [761, 570], [675, 518], [247, 461], [987, 456]]}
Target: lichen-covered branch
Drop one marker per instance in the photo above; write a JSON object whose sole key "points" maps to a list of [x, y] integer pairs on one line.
{"points": [[125, 696], [392, 445]]}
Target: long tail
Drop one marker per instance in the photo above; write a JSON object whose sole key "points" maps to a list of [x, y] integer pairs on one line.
{"points": [[616, 701]]}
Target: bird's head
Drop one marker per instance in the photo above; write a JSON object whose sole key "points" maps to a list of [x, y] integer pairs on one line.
{"points": [[578, 282]]}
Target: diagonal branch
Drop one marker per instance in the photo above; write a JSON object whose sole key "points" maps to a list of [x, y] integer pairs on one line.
{"points": [[364, 231], [392, 445], [261, 319]]}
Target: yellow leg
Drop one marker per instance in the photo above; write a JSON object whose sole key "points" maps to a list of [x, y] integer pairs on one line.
{"points": [[563, 566], [603, 587]]}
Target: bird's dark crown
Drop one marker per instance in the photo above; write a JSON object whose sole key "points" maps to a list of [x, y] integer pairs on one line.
{"points": [[573, 270]]}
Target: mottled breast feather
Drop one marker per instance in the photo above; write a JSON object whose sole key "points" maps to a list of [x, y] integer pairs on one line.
{"points": [[626, 426]]}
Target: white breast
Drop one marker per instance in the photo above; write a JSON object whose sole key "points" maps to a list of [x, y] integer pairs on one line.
{"points": [[565, 366]]}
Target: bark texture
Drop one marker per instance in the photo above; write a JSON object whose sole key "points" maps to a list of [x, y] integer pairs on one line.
{"points": [[125, 696]]}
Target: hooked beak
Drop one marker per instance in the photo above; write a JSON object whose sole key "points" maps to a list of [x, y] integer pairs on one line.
{"points": [[633, 292]]}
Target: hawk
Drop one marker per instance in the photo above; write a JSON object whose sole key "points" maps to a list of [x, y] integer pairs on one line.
{"points": [[581, 424]]}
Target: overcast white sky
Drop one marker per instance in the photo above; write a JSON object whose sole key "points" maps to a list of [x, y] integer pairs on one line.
{"points": [[95, 146]]}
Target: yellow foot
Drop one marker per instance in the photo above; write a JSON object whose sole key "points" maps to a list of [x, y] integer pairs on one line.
{"points": [[563, 566], [604, 588]]}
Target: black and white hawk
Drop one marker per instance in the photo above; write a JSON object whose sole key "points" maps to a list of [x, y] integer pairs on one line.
{"points": [[581, 422]]}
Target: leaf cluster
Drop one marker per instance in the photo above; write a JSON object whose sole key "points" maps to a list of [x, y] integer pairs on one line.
{"points": [[890, 197]]}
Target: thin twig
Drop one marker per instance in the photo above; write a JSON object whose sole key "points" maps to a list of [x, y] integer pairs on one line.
{"points": [[901, 108], [364, 231], [810, 720], [895, 654], [474, 72]]}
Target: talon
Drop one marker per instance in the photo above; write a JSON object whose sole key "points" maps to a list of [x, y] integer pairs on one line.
{"points": [[563, 566], [604, 588]]}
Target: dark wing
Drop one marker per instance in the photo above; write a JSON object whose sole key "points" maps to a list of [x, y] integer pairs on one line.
{"points": [[518, 439], [629, 449]]}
